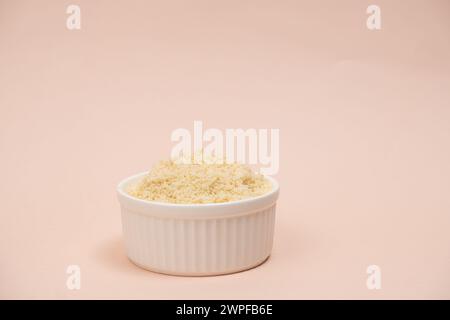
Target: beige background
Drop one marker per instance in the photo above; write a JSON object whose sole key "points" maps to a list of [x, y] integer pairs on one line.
{"points": [[364, 118]]}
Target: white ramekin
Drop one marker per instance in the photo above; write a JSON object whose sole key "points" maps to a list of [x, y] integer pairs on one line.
{"points": [[197, 239]]}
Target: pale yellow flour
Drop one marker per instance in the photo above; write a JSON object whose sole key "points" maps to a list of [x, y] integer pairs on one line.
{"points": [[199, 183]]}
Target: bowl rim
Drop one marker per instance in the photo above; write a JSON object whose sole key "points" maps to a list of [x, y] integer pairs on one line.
{"points": [[194, 210], [124, 195]]}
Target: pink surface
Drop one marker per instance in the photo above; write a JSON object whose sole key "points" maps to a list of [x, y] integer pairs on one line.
{"points": [[364, 119]]}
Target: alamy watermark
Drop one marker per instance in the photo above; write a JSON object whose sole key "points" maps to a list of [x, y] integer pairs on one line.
{"points": [[73, 21], [373, 281], [373, 22], [73, 281], [250, 146]]}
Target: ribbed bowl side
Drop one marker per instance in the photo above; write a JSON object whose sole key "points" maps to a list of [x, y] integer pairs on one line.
{"points": [[199, 246]]}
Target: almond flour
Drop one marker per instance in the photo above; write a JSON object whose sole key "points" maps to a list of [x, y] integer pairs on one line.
{"points": [[181, 183]]}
